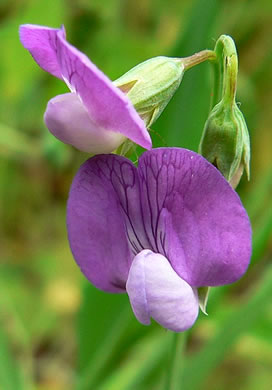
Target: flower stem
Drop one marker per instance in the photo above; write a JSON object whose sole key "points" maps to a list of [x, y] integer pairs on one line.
{"points": [[197, 58], [217, 88], [174, 369], [225, 68]]}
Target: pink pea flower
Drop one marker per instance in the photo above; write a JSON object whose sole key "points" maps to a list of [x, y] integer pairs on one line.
{"points": [[95, 117]]}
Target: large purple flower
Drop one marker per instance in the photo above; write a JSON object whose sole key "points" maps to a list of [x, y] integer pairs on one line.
{"points": [[96, 117], [158, 231]]}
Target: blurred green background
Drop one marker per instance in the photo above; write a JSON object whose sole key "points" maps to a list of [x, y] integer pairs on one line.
{"points": [[58, 332]]}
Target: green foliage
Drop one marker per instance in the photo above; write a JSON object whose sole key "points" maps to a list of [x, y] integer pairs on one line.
{"points": [[239, 321], [10, 375], [58, 332], [186, 127]]}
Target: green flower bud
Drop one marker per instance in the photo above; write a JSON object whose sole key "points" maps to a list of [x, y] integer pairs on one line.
{"points": [[151, 84], [225, 141]]}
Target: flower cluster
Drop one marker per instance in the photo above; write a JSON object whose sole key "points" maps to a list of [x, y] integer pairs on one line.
{"points": [[159, 231]]}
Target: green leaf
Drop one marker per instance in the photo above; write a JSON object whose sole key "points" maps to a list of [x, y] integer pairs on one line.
{"points": [[262, 235], [198, 367], [107, 328], [183, 120], [134, 370], [17, 145], [103, 321], [259, 194], [10, 374], [96, 320]]}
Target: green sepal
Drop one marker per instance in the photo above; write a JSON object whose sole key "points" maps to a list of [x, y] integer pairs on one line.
{"points": [[203, 295], [151, 84], [225, 141]]}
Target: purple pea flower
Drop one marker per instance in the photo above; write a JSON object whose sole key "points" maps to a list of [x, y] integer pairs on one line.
{"points": [[95, 117], [157, 231]]}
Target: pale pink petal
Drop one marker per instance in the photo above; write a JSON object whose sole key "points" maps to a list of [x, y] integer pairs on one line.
{"points": [[155, 290], [68, 120]]}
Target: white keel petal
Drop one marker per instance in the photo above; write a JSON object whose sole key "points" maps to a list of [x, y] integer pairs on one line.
{"points": [[155, 290]]}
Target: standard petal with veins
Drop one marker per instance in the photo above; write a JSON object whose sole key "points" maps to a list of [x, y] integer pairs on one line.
{"points": [[175, 205], [187, 200]]}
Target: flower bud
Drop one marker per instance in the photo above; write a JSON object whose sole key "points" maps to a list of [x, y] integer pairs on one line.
{"points": [[225, 142], [151, 84]]}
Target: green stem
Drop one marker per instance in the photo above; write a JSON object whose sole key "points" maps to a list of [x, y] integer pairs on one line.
{"points": [[225, 63], [197, 58], [217, 89], [175, 364], [225, 70]]}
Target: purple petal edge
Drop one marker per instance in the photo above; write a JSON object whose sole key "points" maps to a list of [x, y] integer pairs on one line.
{"points": [[107, 106], [96, 229], [40, 41]]}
